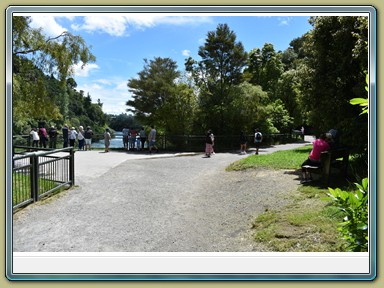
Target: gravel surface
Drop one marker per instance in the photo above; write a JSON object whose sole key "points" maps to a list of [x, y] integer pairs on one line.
{"points": [[153, 204]]}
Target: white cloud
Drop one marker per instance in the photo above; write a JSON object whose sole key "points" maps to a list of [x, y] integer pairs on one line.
{"points": [[118, 25], [104, 81], [284, 21], [85, 71], [186, 53], [50, 27], [122, 86], [113, 93], [114, 25]]}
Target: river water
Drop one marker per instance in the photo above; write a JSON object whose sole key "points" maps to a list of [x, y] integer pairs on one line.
{"points": [[116, 141]]}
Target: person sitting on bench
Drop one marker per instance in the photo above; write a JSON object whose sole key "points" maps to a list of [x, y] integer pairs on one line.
{"points": [[319, 145]]}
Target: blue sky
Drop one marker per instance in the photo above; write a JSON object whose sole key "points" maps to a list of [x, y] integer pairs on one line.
{"points": [[120, 43]]}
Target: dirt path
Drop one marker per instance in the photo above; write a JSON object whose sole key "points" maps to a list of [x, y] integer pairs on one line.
{"points": [[165, 204]]}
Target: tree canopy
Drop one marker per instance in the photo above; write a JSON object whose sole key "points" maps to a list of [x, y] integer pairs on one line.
{"points": [[227, 89], [218, 71], [43, 90]]}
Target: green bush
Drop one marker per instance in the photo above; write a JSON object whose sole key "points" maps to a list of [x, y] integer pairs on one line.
{"points": [[354, 205]]}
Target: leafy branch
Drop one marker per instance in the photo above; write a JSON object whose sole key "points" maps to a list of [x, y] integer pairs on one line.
{"points": [[363, 102]]}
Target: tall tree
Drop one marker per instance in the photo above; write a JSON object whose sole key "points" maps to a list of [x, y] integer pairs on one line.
{"points": [[337, 59], [220, 69], [154, 92], [265, 68], [32, 51]]}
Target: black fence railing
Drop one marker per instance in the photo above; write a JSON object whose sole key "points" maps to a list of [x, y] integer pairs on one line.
{"points": [[191, 143], [185, 143], [37, 174]]}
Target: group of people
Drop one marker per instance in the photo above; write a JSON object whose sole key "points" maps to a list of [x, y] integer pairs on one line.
{"points": [[43, 138], [210, 142], [257, 140], [326, 141], [133, 139], [83, 137]]}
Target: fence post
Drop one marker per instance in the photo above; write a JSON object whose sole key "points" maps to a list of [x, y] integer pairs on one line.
{"points": [[34, 174], [72, 166]]}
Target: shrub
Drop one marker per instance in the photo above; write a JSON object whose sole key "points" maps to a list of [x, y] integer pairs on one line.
{"points": [[354, 205]]}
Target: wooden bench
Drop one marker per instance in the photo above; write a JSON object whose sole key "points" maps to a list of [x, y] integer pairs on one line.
{"points": [[338, 159]]}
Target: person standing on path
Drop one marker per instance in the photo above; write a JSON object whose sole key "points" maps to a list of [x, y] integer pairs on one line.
{"points": [[152, 140], [126, 133], [132, 139], [52, 137], [80, 138], [43, 137], [35, 137], [213, 141], [143, 137], [88, 138], [72, 137], [65, 132], [243, 143], [208, 144], [258, 140], [107, 139]]}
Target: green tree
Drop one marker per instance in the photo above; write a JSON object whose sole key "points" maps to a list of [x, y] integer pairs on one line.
{"points": [[220, 69], [179, 110], [248, 108], [34, 56], [279, 117], [153, 91], [265, 67], [287, 90], [335, 59]]}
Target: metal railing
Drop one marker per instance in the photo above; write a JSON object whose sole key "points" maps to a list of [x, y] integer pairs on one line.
{"points": [[189, 143], [37, 174]]}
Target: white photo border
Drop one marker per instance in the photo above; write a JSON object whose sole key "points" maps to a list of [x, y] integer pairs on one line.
{"points": [[19, 266]]}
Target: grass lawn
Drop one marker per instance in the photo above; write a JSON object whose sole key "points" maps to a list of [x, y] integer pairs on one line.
{"points": [[308, 224], [289, 159], [21, 187]]}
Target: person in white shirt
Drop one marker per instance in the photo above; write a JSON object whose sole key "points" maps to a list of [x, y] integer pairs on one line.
{"points": [[80, 138], [35, 137], [72, 137]]}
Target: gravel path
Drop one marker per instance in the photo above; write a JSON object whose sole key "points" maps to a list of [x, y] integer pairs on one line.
{"points": [[154, 204]]}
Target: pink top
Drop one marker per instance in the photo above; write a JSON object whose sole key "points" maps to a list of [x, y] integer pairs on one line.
{"points": [[319, 145]]}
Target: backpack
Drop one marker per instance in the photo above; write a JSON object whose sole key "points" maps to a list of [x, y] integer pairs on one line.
{"points": [[258, 136]]}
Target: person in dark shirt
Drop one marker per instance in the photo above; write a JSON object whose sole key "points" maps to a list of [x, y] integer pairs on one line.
{"points": [[52, 137], [243, 143], [208, 144], [88, 138], [64, 130]]}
